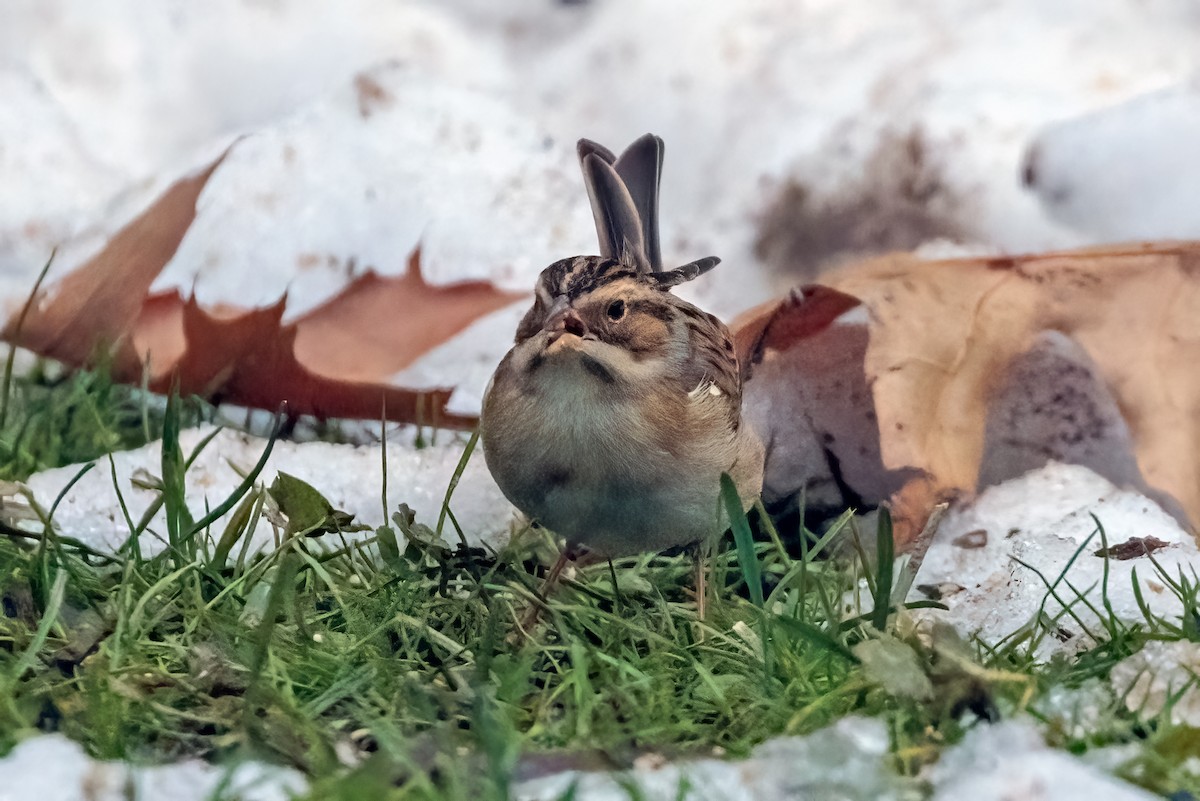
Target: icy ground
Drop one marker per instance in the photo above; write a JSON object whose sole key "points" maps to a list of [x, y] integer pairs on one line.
{"points": [[799, 134], [845, 761]]}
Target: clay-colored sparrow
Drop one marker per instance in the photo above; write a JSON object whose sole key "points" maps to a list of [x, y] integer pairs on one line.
{"points": [[612, 418]]}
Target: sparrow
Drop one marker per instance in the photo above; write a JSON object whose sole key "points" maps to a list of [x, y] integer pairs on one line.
{"points": [[613, 416]]}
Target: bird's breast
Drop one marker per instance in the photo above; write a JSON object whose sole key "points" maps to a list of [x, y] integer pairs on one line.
{"points": [[594, 468]]}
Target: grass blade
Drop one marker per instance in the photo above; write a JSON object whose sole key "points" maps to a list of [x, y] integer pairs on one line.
{"points": [[454, 479], [6, 388], [885, 562], [743, 540], [53, 603]]}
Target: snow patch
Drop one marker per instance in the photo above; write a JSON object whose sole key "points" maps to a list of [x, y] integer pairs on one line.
{"points": [[983, 559], [1010, 760], [52, 768], [1161, 673], [1125, 172], [350, 477]]}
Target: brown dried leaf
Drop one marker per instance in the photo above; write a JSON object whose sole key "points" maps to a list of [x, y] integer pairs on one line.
{"points": [[779, 325], [1132, 548], [335, 361], [378, 325], [97, 304], [943, 334]]}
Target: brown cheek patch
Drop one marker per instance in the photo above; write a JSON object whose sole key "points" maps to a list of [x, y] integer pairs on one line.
{"points": [[642, 332]]}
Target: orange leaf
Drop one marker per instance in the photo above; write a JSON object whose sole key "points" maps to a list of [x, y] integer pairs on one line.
{"points": [[378, 325], [98, 303], [335, 361]]}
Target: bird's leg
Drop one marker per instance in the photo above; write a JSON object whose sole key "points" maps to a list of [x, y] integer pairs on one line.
{"points": [[555, 571], [534, 612]]}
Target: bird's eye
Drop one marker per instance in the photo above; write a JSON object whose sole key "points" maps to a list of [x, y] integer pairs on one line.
{"points": [[616, 310]]}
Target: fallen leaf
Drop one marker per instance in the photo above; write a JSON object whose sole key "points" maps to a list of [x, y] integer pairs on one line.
{"points": [[943, 340], [335, 361], [1132, 548], [97, 304], [780, 325], [379, 325], [306, 509]]}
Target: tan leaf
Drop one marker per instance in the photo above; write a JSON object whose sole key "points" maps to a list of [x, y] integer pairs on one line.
{"points": [[943, 335]]}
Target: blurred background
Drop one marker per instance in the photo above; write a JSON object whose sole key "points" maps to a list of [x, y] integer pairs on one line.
{"points": [[799, 134]]}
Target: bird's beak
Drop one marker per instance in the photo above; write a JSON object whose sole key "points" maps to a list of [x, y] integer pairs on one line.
{"points": [[562, 319]]}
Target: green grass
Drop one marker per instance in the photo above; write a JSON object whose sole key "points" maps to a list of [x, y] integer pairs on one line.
{"points": [[50, 418], [391, 664]]}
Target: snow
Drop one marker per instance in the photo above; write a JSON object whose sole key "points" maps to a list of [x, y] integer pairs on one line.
{"points": [[1042, 519], [146, 85], [54, 179], [350, 477], [1078, 712], [52, 768], [1124, 172], [1010, 760]]}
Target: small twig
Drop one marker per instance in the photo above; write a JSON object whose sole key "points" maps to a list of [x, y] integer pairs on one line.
{"points": [[12, 532]]}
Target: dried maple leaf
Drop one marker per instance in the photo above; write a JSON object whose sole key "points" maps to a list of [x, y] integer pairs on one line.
{"points": [[334, 361], [97, 304], [948, 345], [379, 325]]}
